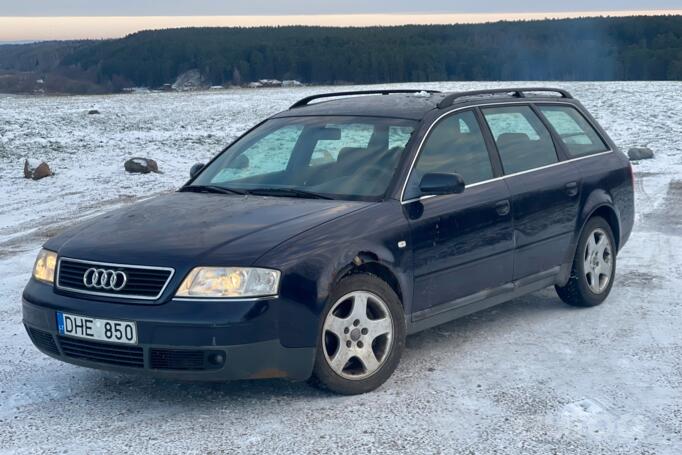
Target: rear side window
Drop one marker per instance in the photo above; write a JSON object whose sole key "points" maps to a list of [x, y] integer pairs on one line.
{"points": [[398, 136], [455, 145], [522, 140], [355, 135], [575, 132]]}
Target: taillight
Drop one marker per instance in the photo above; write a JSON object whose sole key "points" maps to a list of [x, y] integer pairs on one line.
{"points": [[632, 174]]}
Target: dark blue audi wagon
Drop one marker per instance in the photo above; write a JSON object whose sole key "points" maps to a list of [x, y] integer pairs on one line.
{"points": [[316, 242]]}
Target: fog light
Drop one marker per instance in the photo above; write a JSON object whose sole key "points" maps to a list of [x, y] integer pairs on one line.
{"points": [[216, 358]]}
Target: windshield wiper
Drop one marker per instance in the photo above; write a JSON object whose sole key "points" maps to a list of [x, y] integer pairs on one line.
{"points": [[210, 189], [291, 192]]}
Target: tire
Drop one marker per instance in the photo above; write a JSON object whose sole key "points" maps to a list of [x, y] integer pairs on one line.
{"points": [[354, 354], [594, 266]]}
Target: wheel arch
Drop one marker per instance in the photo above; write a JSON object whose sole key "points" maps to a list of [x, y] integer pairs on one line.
{"points": [[364, 262], [604, 209], [370, 263], [608, 213]]}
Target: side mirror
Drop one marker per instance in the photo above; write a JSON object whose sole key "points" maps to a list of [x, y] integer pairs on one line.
{"points": [[239, 162], [196, 169], [435, 183]]}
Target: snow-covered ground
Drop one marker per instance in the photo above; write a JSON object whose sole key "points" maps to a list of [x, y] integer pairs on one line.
{"points": [[529, 376]]}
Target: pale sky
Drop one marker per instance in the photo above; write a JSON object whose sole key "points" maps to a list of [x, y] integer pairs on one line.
{"points": [[75, 19], [288, 7]]}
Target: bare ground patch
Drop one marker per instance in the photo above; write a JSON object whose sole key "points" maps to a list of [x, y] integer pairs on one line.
{"points": [[667, 218]]}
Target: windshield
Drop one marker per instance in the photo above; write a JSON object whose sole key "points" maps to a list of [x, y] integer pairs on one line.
{"points": [[334, 157]]}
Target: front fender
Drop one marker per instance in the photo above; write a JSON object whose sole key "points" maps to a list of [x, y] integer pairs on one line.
{"points": [[312, 263]]}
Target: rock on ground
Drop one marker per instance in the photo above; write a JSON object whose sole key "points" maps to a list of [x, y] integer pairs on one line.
{"points": [[36, 169], [640, 153], [141, 166], [189, 80]]}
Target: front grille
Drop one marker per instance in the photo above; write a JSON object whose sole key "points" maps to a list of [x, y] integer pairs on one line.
{"points": [[43, 340], [180, 359], [112, 354], [145, 283]]}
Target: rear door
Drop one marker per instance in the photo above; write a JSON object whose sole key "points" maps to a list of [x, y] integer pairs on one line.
{"points": [[545, 193], [462, 243]]}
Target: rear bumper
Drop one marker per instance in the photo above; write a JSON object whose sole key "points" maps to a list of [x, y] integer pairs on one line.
{"points": [[233, 343]]}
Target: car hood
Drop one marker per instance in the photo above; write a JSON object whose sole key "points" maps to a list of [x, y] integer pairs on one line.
{"points": [[181, 229]]}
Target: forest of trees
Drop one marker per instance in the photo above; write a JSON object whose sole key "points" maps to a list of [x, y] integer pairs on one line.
{"points": [[631, 48]]}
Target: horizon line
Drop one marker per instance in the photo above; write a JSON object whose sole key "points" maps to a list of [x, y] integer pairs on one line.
{"points": [[56, 28]]}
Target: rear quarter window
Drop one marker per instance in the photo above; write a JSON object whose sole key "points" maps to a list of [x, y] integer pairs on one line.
{"points": [[579, 137]]}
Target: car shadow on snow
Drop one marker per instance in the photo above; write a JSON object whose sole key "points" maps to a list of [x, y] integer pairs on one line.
{"points": [[501, 319]]}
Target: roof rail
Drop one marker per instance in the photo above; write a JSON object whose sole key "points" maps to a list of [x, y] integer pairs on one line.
{"points": [[307, 100], [450, 99]]}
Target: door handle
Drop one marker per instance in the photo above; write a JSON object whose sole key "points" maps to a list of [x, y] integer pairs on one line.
{"points": [[503, 208], [572, 188]]}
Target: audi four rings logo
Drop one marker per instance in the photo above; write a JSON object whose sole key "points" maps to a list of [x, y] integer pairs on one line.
{"points": [[109, 280]]}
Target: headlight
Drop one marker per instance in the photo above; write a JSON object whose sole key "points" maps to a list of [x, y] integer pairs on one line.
{"points": [[228, 282], [43, 269]]}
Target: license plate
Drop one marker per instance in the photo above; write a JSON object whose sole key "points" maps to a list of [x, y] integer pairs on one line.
{"points": [[97, 329]]}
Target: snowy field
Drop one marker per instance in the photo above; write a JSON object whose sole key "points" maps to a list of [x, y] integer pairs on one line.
{"points": [[529, 376]]}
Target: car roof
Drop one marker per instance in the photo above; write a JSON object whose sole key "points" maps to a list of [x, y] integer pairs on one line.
{"points": [[409, 104]]}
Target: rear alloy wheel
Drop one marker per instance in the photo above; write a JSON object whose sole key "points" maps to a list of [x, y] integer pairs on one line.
{"points": [[598, 261], [362, 336], [594, 266]]}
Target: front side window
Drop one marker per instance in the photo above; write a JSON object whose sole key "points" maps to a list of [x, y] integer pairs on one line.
{"points": [[337, 157], [522, 140], [455, 145], [575, 132]]}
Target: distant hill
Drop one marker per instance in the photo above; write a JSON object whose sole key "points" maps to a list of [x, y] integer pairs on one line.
{"points": [[631, 48]]}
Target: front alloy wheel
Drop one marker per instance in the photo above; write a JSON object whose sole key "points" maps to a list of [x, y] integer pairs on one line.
{"points": [[361, 338], [358, 333]]}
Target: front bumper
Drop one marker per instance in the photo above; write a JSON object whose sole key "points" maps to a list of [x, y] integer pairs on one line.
{"points": [[177, 340]]}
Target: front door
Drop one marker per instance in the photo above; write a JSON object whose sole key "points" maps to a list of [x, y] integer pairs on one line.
{"points": [[462, 243]]}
